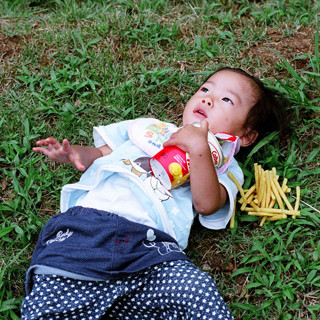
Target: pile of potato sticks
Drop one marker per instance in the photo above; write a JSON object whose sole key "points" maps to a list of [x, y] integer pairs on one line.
{"points": [[266, 198]]}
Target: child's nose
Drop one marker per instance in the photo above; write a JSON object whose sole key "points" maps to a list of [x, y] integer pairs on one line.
{"points": [[208, 102]]}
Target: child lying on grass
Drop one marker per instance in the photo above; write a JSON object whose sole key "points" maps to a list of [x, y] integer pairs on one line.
{"points": [[115, 251]]}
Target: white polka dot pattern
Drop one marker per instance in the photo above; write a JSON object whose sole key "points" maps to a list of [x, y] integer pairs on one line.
{"points": [[170, 290]]}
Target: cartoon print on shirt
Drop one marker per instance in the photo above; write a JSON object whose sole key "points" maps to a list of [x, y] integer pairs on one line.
{"points": [[141, 168], [149, 134], [158, 133]]}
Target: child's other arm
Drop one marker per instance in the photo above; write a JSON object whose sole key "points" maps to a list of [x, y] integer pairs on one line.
{"points": [[208, 195], [78, 156]]}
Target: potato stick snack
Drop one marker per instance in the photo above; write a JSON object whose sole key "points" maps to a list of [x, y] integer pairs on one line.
{"points": [[241, 201], [235, 181], [233, 215], [274, 171], [262, 190], [250, 191], [248, 197], [244, 203], [263, 220], [277, 217], [297, 200], [283, 195], [276, 193], [268, 188], [256, 176], [284, 185], [247, 202], [268, 198], [255, 207], [260, 214], [272, 203], [273, 211], [260, 179], [260, 199], [296, 206]]}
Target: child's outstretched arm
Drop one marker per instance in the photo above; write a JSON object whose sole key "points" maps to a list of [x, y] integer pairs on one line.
{"points": [[208, 195], [78, 156]]}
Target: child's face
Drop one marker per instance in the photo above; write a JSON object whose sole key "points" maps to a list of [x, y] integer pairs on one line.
{"points": [[224, 101]]}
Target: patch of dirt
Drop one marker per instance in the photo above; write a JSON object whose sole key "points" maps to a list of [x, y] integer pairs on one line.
{"points": [[204, 250], [10, 46], [300, 43]]}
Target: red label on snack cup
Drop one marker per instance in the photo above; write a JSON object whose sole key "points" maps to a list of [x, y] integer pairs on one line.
{"points": [[170, 167]]}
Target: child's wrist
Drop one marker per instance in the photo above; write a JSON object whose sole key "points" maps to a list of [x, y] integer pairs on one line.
{"points": [[200, 149]]}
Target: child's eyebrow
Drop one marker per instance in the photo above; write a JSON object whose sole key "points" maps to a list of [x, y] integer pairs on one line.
{"points": [[227, 90]]}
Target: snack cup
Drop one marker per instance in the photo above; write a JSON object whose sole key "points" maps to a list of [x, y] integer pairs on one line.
{"points": [[171, 165], [216, 150]]}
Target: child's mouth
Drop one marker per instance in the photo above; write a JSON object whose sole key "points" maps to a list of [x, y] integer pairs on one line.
{"points": [[200, 113]]}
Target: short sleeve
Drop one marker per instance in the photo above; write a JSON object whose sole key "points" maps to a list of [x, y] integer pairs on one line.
{"points": [[113, 134], [220, 219]]}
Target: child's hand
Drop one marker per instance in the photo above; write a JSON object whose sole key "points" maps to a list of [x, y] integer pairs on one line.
{"points": [[61, 153], [190, 138], [208, 195]]}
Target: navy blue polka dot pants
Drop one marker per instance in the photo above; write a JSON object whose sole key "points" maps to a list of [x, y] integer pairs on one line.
{"points": [[170, 290]]}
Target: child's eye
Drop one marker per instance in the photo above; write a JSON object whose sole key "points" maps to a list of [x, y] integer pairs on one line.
{"points": [[204, 89], [227, 100]]}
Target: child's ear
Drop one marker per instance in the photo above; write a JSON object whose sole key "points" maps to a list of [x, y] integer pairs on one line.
{"points": [[248, 138]]}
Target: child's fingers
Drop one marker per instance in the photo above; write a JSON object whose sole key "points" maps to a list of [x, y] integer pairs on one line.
{"points": [[187, 136], [36, 149], [41, 150], [43, 142], [176, 140], [204, 125], [50, 143], [66, 146], [73, 156], [79, 165], [46, 142], [76, 161], [169, 142]]}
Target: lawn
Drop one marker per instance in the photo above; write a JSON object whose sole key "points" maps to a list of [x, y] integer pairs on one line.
{"points": [[66, 66]]}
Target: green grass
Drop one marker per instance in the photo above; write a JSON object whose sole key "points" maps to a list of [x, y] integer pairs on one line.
{"points": [[66, 66]]}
